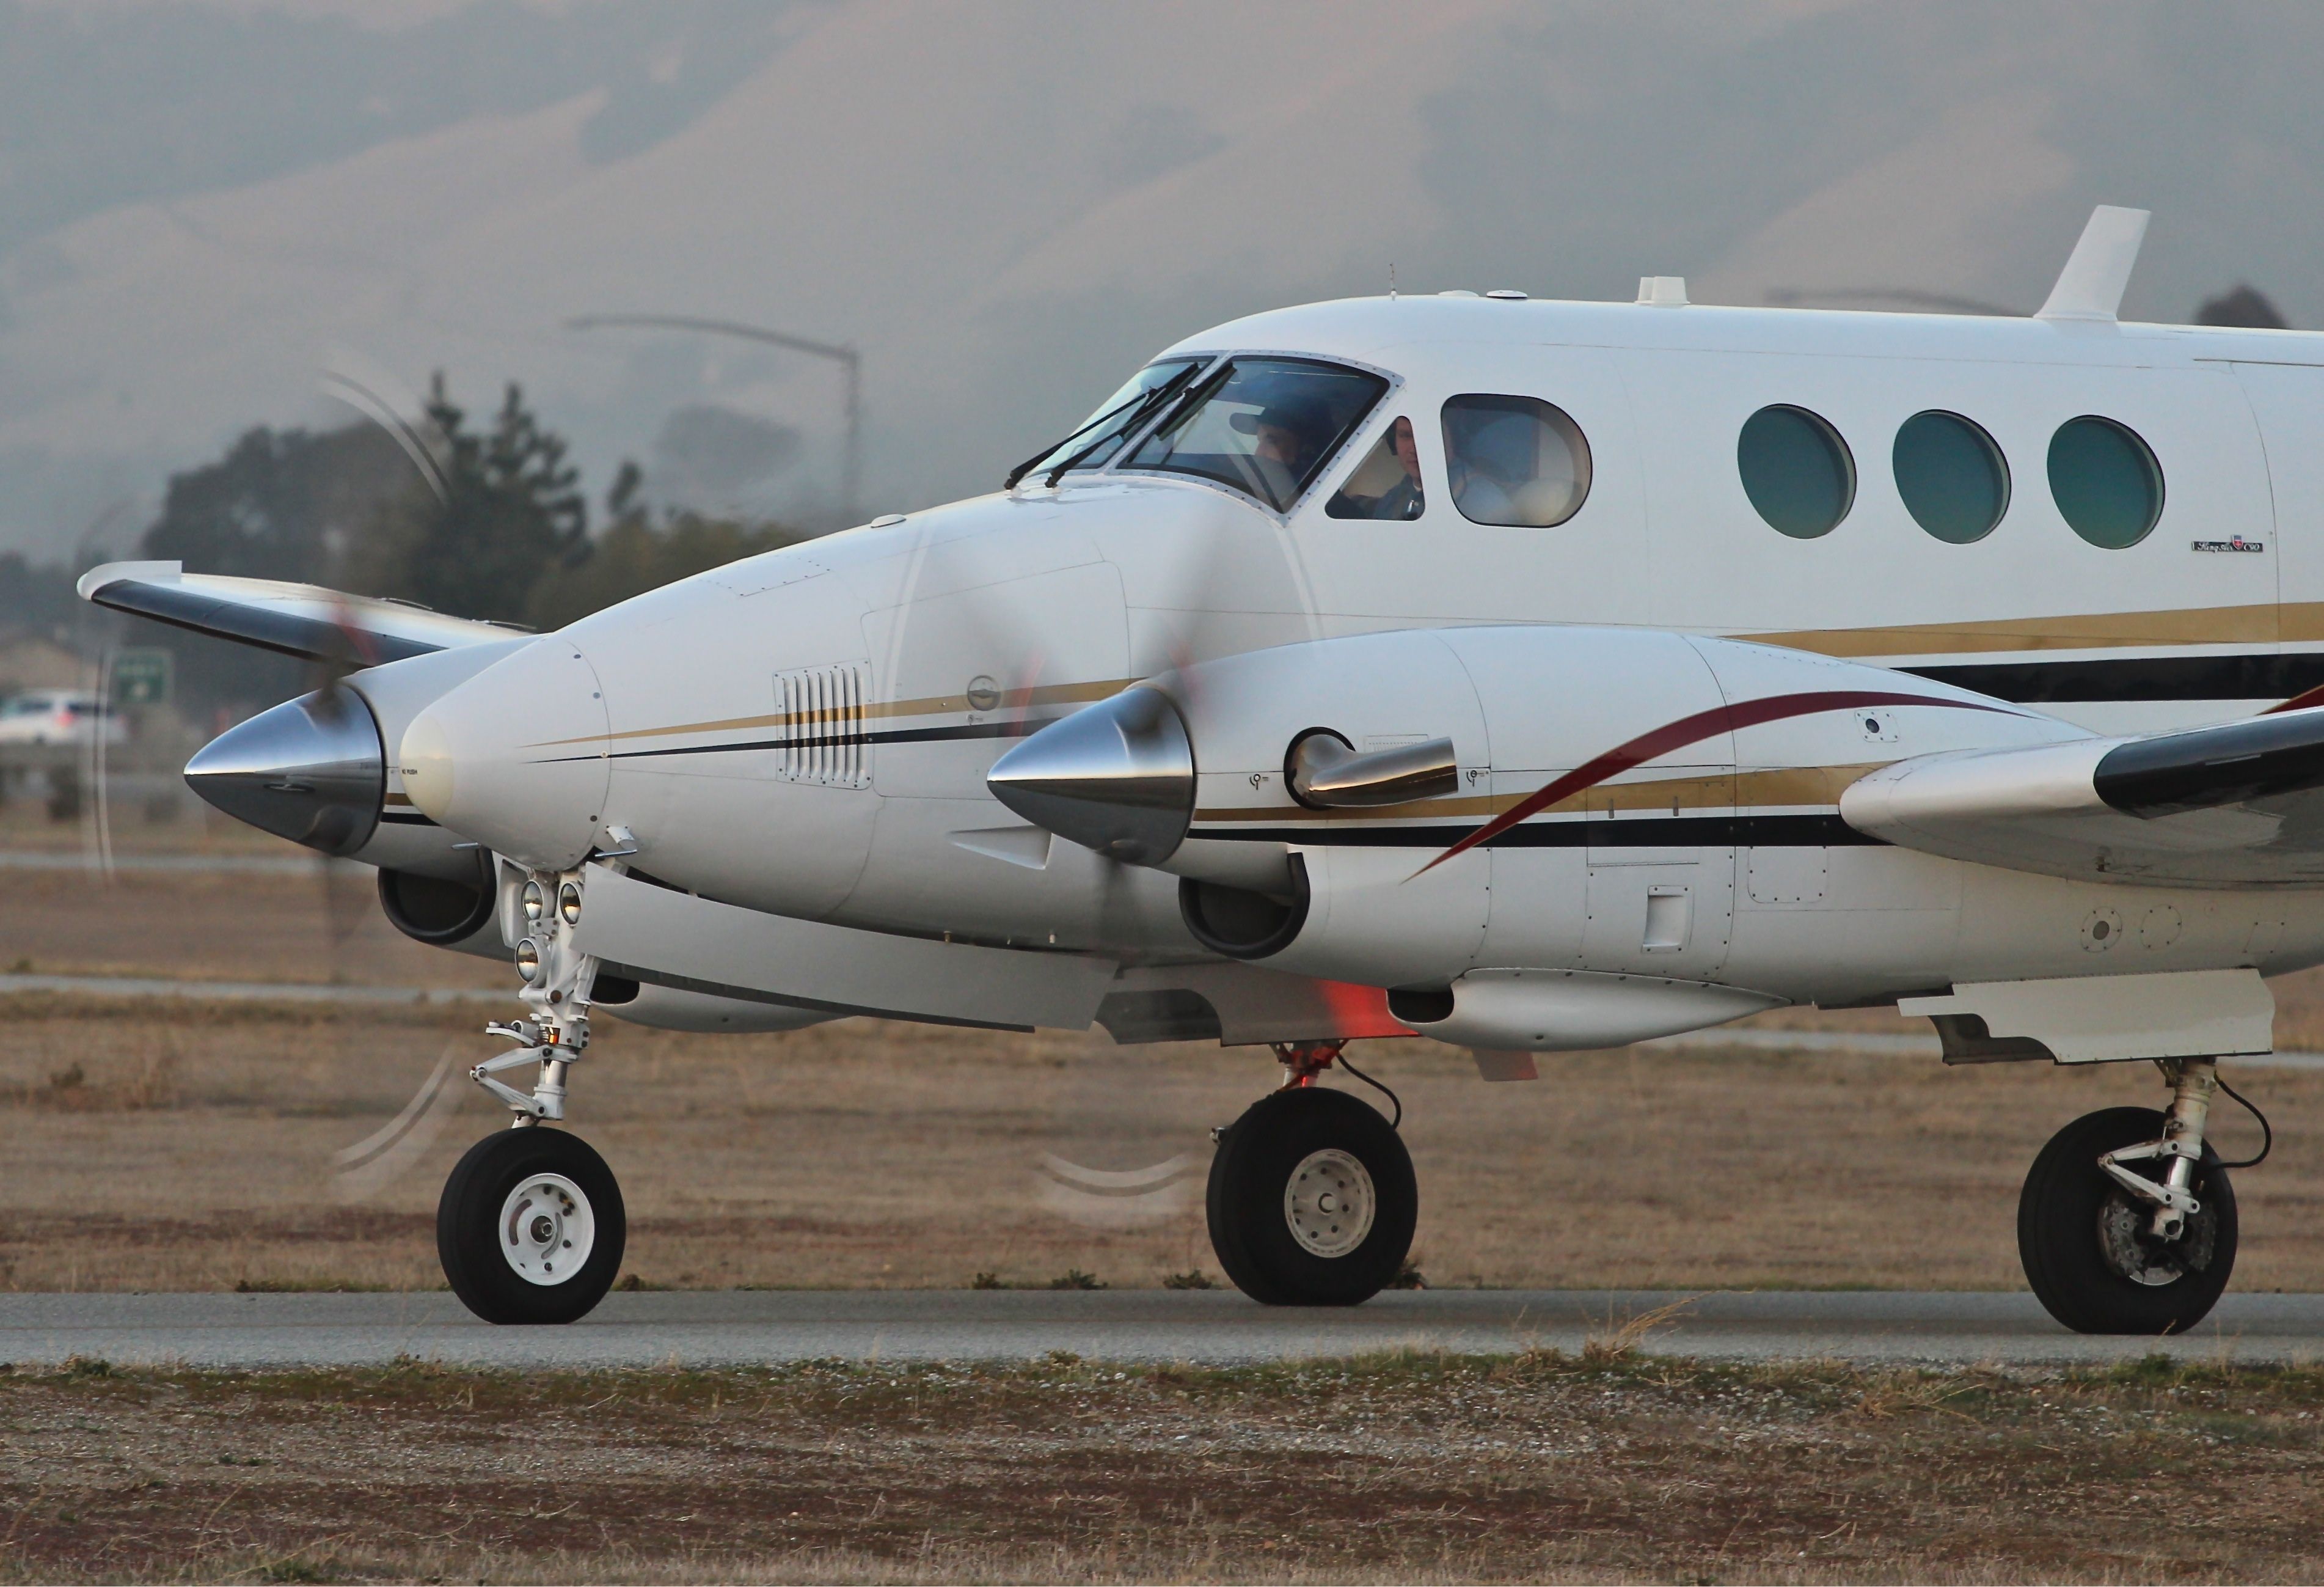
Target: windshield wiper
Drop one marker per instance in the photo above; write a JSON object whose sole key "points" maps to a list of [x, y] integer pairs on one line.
{"points": [[1138, 408], [1163, 396]]}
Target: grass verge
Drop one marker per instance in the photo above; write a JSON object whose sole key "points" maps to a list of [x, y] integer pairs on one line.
{"points": [[1403, 1465]]}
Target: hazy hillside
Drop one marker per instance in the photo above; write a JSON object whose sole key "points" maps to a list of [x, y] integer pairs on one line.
{"points": [[1007, 204]]}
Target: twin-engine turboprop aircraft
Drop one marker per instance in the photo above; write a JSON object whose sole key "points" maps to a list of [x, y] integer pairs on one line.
{"points": [[1529, 675]]}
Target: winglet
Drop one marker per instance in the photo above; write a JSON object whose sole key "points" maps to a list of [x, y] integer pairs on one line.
{"points": [[2090, 286], [96, 578]]}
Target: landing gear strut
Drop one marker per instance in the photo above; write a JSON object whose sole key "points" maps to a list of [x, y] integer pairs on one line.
{"points": [[1311, 1199], [530, 1228], [2127, 1220]]}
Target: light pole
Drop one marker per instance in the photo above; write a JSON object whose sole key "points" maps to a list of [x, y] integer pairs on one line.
{"points": [[846, 357]]}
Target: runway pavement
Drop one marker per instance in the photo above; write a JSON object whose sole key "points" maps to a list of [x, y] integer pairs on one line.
{"points": [[1206, 1327]]}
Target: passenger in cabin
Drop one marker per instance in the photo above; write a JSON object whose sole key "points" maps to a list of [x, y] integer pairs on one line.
{"points": [[1386, 484], [1481, 498]]}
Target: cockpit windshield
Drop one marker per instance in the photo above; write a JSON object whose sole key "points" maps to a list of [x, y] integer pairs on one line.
{"points": [[1263, 425], [1096, 439]]}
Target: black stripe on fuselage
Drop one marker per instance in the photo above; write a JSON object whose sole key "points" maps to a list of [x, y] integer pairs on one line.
{"points": [[2126, 679], [1641, 832], [900, 735], [2141, 679]]}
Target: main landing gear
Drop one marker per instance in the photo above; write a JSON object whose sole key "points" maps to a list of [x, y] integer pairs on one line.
{"points": [[2127, 1221], [530, 1228], [1311, 1198]]}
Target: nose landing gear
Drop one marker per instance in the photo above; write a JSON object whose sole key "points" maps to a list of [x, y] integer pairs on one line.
{"points": [[530, 1228], [1311, 1199], [2127, 1220]]}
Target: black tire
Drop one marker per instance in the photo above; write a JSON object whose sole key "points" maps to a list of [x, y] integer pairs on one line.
{"points": [[1252, 1174], [2077, 1230], [481, 1258]]}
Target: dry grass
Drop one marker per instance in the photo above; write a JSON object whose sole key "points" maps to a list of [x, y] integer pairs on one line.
{"points": [[315, 926], [196, 1151], [1400, 1467], [192, 1146]]}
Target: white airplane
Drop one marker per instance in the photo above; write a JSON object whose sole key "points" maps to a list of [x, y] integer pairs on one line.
{"points": [[1533, 676]]}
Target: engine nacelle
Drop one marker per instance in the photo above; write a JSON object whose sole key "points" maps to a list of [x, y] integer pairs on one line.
{"points": [[317, 770], [1583, 795]]}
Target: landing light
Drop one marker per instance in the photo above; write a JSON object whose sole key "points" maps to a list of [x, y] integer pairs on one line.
{"points": [[528, 959], [568, 903], [536, 904]]}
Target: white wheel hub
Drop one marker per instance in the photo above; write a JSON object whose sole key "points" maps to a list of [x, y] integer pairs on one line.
{"points": [[546, 1230], [1330, 1202]]}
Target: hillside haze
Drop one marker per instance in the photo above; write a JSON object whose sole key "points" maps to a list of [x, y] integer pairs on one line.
{"points": [[1007, 205]]}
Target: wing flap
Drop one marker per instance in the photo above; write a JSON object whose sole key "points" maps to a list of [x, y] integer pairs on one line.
{"points": [[2238, 805], [300, 620]]}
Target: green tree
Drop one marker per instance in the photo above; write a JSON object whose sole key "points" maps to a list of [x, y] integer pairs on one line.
{"points": [[281, 504], [634, 555], [509, 513], [292, 505]]}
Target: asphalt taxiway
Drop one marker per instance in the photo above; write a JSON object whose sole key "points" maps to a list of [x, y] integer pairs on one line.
{"points": [[1202, 1327]]}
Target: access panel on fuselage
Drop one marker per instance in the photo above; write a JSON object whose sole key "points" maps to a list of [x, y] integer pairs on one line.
{"points": [[2288, 401]]}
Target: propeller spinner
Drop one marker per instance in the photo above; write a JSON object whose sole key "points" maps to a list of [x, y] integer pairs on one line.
{"points": [[312, 770]]}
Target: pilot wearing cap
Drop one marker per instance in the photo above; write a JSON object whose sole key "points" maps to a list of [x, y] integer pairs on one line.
{"points": [[1286, 437]]}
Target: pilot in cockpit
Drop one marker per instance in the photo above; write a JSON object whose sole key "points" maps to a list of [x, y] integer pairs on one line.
{"points": [[1285, 435], [1388, 483]]}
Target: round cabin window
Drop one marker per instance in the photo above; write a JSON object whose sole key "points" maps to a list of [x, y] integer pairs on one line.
{"points": [[1797, 470], [1954, 480], [2105, 482]]}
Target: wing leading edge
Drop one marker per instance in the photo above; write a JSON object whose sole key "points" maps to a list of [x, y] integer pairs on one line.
{"points": [[2238, 805], [301, 619]]}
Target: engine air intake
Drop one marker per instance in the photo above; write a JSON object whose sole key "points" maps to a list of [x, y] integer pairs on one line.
{"points": [[822, 709]]}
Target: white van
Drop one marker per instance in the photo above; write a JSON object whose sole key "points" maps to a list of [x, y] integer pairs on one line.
{"points": [[58, 716]]}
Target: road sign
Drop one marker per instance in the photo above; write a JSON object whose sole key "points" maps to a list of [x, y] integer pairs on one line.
{"points": [[141, 678]]}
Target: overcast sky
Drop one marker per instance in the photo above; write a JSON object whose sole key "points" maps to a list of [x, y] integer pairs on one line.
{"points": [[215, 213]]}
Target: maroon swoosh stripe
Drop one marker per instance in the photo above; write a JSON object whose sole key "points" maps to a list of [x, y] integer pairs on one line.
{"points": [[1685, 731], [2299, 702]]}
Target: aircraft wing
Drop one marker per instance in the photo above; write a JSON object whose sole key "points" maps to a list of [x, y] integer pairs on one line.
{"points": [[2238, 805], [294, 619]]}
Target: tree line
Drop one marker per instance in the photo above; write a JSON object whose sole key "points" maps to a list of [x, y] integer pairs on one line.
{"points": [[484, 521]]}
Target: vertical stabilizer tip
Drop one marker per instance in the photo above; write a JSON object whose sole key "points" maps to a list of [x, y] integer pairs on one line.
{"points": [[2090, 286]]}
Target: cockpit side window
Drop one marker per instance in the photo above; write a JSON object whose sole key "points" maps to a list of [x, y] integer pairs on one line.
{"points": [[1386, 484], [1514, 460], [1265, 426], [1095, 440]]}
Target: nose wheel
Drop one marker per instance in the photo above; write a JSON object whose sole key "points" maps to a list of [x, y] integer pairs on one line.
{"points": [[1312, 1200], [530, 1228]]}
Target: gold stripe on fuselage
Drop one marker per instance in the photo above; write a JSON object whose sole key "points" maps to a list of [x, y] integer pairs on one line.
{"points": [[2096, 631], [1054, 693]]}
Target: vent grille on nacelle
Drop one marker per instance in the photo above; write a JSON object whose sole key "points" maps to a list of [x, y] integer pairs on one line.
{"points": [[823, 725]]}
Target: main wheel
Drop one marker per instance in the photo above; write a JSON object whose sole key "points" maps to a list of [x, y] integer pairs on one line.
{"points": [[1312, 1200], [530, 1228], [2084, 1239]]}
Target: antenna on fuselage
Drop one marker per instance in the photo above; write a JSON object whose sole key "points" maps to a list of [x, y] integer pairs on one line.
{"points": [[2090, 286]]}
